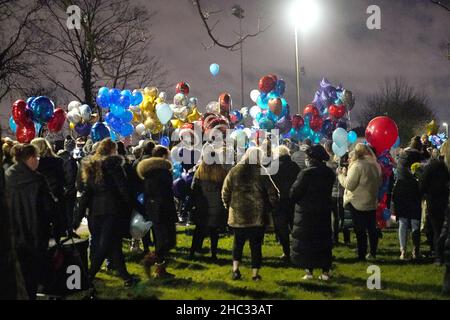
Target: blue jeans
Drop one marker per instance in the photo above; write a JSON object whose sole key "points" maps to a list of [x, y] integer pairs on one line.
{"points": [[404, 225]]}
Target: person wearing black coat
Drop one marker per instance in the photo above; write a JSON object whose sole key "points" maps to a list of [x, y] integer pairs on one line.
{"points": [[159, 207], [209, 214], [407, 202], [52, 167], [434, 187], [105, 195], [31, 206], [312, 235], [283, 218]]}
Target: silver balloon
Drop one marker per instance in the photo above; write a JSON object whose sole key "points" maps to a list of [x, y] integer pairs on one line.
{"points": [[138, 226], [213, 107], [74, 105], [74, 116], [348, 100], [85, 112]]}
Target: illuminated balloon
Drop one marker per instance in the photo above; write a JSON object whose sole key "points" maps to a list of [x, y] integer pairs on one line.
{"points": [[340, 137], [254, 94], [339, 151], [42, 109], [267, 84], [214, 69], [164, 113], [382, 133], [140, 129], [182, 87], [99, 132], [12, 124], [26, 132], [74, 105], [19, 112], [85, 112], [57, 121], [352, 137]]}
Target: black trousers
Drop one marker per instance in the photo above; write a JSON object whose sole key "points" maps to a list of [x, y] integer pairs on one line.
{"points": [[365, 224], [255, 235], [32, 265], [200, 233], [281, 223], [436, 224], [337, 209], [107, 242], [165, 239]]}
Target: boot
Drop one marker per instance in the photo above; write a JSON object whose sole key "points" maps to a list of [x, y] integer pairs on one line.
{"points": [[148, 261], [161, 271]]}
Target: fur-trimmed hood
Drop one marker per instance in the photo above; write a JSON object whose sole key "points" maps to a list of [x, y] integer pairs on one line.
{"points": [[147, 165]]}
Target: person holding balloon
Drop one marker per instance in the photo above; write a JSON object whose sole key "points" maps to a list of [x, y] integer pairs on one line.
{"points": [[361, 182]]}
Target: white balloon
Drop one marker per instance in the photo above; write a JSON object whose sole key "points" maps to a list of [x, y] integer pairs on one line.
{"points": [[74, 116], [254, 111], [74, 105], [180, 99], [85, 112], [248, 132], [138, 226], [163, 96], [245, 112], [164, 112], [254, 95], [213, 107], [140, 129]]}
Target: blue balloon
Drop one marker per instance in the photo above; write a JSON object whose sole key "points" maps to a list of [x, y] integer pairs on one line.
{"points": [[99, 132], [214, 69], [30, 100], [140, 198], [127, 116], [266, 124], [273, 95], [126, 130], [103, 91], [340, 137], [124, 101], [164, 141], [113, 135], [280, 87], [339, 151], [259, 116], [387, 214], [42, 108], [137, 98], [127, 93], [397, 143], [103, 100], [116, 110], [12, 124], [352, 137], [113, 122], [327, 128], [263, 101], [114, 96]]}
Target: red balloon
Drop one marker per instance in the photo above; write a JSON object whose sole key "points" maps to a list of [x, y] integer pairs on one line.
{"points": [[337, 111], [19, 112], [382, 133], [312, 110], [274, 77], [182, 87], [189, 126], [25, 133], [56, 122], [267, 84], [297, 121], [316, 122], [225, 103], [276, 106]]}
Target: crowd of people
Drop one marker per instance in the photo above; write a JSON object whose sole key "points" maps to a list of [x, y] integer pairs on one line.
{"points": [[46, 193]]}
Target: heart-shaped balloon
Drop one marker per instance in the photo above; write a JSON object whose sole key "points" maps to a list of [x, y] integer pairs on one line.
{"points": [[26, 132], [297, 121], [337, 111], [311, 110], [56, 123], [275, 106], [316, 122], [19, 112]]}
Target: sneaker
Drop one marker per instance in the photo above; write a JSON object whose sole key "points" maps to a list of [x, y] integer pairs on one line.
{"points": [[370, 257], [324, 277], [307, 276], [257, 278], [236, 275], [402, 255]]}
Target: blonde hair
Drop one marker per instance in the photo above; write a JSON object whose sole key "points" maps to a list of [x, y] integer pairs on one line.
{"points": [[43, 147], [92, 167], [210, 172], [253, 155], [445, 152], [282, 151], [360, 152]]}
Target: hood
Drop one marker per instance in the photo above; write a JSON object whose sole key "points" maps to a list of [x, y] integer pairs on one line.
{"points": [[19, 175], [147, 165]]}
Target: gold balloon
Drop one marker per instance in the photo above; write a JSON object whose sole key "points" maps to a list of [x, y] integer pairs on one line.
{"points": [[137, 117], [157, 129], [150, 123], [432, 128], [194, 115], [176, 123], [72, 126]]}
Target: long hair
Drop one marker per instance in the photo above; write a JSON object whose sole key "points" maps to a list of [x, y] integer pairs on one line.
{"points": [[92, 167], [360, 152], [22, 152], [44, 148]]}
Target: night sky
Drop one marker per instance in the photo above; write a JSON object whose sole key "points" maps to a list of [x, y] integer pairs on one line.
{"points": [[411, 44]]}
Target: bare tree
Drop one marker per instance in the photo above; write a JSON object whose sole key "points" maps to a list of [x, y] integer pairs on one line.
{"points": [[442, 3], [16, 40], [205, 16], [111, 46], [407, 107]]}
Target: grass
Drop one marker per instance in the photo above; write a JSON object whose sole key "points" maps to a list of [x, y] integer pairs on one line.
{"points": [[201, 279]]}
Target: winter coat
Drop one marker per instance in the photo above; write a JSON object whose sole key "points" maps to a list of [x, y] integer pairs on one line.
{"points": [[311, 236], [70, 173], [434, 186], [338, 190], [406, 197], [408, 157], [361, 185], [108, 197], [31, 206], [206, 198], [249, 196], [158, 194], [299, 157], [288, 171]]}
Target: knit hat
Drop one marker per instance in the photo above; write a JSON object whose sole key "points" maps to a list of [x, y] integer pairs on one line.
{"points": [[318, 153]]}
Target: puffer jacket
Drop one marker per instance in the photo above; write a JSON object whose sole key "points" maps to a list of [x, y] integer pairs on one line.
{"points": [[249, 196], [209, 210]]}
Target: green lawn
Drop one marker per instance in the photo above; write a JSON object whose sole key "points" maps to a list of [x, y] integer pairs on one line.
{"points": [[201, 279]]}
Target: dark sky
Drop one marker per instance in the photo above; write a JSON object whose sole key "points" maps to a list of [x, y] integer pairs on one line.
{"points": [[339, 47]]}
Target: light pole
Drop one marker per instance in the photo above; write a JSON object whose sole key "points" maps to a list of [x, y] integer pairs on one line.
{"points": [[297, 68], [445, 124], [238, 12]]}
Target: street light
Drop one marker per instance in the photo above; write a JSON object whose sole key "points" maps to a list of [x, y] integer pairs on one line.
{"points": [[238, 12], [304, 14], [445, 124]]}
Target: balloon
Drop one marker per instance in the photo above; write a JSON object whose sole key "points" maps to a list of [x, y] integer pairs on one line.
{"points": [[136, 98], [180, 100], [280, 87], [337, 111], [164, 141], [297, 121], [71, 125], [225, 103], [85, 112], [56, 123], [127, 93], [193, 101], [164, 113], [316, 122], [113, 135], [124, 101], [397, 143], [114, 96], [151, 92], [266, 84], [352, 137], [138, 226], [30, 100], [432, 128], [42, 109], [103, 91], [116, 110], [382, 133], [194, 115], [311, 109], [162, 96], [275, 106], [182, 87], [140, 129], [342, 124], [214, 69], [254, 111], [12, 124], [102, 100], [83, 129], [327, 128], [126, 130], [348, 100], [284, 125], [19, 112], [74, 116], [127, 116], [26, 132], [339, 151], [266, 124], [213, 107], [73, 105], [99, 132], [340, 137], [254, 94]]}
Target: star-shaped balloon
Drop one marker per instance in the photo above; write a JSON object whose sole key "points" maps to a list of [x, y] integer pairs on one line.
{"points": [[432, 128]]}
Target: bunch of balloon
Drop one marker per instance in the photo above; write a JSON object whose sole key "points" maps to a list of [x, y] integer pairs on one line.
{"points": [[29, 117], [271, 110], [184, 109], [79, 117], [120, 116], [144, 114]]}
